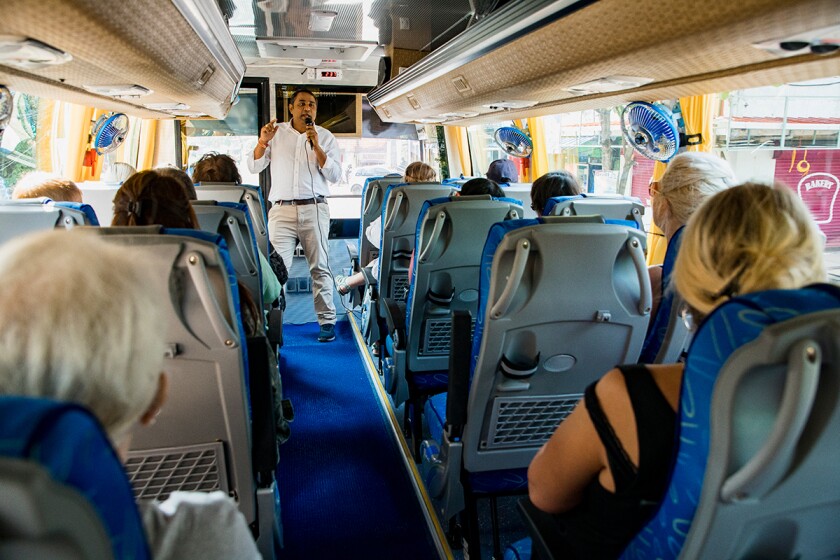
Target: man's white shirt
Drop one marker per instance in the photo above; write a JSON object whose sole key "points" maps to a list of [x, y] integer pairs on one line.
{"points": [[294, 166]]}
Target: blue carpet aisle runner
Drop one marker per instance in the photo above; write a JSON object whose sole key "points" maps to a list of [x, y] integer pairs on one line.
{"points": [[343, 488]]}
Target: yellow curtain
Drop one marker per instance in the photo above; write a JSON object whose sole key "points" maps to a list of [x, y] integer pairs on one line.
{"points": [[457, 146], [146, 151], [657, 244], [45, 134], [539, 157], [77, 125], [698, 113], [93, 173]]}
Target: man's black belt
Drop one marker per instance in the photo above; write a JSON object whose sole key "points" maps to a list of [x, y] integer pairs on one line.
{"points": [[302, 201]]}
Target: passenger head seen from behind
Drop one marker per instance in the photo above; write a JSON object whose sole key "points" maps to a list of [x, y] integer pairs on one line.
{"points": [[691, 178], [479, 185], [746, 239], [148, 198], [419, 172], [101, 348], [181, 177], [503, 171], [216, 168], [38, 184], [555, 183]]}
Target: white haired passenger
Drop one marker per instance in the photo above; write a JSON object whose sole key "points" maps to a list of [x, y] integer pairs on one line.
{"points": [[690, 179], [99, 344]]}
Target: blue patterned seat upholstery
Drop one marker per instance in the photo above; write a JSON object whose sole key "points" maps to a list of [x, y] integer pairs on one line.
{"points": [[667, 336], [70, 444], [736, 323]]}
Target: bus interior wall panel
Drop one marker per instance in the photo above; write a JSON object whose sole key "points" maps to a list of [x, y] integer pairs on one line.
{"points": [[673, 45], [115, 42]]}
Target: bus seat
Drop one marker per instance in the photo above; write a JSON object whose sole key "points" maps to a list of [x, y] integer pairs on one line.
{"points": [[546, 327], [449, 237], [202, 440], [611, 207], [373, 197], [248, 195], [755, 475], [90, 218], [65, 493], [26, 215], [668, 335], [232, 221], [521, 192]]}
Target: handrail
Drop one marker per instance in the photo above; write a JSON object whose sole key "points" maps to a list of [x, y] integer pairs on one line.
{"points": [[439, 221], [523, 249], [638, 256], [764, 470], [373, 193], [259, 220], [245, 255], [198, 273], [392, 217]]}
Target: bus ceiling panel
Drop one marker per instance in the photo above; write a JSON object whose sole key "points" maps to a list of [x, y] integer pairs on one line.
{"points": [[284, 39], [179, 52], [553, 56]]}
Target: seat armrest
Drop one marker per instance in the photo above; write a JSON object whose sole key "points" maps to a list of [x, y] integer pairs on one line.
{"points": [[394, 313], [353, 253], [539, 529], [460, 350], [370, 279]]}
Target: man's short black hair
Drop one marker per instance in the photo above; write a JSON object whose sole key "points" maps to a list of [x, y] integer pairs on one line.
{"points": [[299, 91]]}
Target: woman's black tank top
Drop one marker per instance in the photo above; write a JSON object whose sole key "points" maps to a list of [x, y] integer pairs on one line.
{"points": [[603, 523]]}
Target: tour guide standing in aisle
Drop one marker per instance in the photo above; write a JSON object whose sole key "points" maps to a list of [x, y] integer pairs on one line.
{"points": [[303, 157]]}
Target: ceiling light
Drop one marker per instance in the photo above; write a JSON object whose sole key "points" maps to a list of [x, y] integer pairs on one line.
{"points": [[458, 115], [166, 106], [121, 90], [608, 84], [825, 40], [430, 120], [21, 52], [513, 104], [321, 20]]}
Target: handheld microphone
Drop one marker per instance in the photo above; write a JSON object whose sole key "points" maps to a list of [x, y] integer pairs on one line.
{"points": [[308, 121]]}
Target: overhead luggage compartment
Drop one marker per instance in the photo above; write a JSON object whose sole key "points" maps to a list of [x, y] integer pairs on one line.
{"points": [[549, 56], [148, 58]]}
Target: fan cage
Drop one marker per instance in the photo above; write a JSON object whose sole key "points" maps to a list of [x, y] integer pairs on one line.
{"points": [[651, 130]]}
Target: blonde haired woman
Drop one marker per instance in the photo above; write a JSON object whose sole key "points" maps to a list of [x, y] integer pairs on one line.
{"points": [[605, 469]]}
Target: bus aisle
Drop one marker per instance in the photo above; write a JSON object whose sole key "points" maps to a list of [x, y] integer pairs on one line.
{"points": [[344, 489]]}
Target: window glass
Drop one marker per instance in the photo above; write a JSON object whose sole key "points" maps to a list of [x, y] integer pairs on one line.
{"points": [[235, 135], [26, 141]]}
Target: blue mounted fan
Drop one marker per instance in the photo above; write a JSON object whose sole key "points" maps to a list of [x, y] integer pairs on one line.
{"points": [[654, 131], [514, 142], [109, 131]]}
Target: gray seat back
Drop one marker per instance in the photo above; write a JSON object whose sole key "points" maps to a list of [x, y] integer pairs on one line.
{"points": [[447, 259], [770, 488], [564, 304], [42, 518], [233, 225], [201, 440], [373, 197], [22, 216], [243, 194], [611, 207], [399, 226]]}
